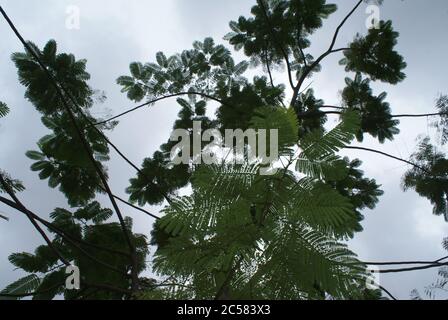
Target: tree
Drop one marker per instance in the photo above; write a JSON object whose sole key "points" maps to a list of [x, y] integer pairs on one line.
{"points": [[239, 234]]}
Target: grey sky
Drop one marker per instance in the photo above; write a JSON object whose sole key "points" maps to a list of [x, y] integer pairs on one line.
{"points": [[114, 33]]}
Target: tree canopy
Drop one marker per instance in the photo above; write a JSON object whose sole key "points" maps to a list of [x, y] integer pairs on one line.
{"points": [[238, 234]]}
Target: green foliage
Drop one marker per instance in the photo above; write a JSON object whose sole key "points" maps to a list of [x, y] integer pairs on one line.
{"points": [[59, 158], [282, 120], [239, 234], [278, 26], [14, 184], [94, 212], [374, 55], [157, 179], [362, 192], [320, 144], [65, 68], [25, 285], [430, 179], [375, 112], [204, 68], [39, 262], [317, 158], [4, 110], [307, 103], [281, 253], [88, 225], [239, 108], [51, 285], [291, 227]]}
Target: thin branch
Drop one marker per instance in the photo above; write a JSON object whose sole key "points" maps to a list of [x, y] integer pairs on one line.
{"points": [[304, 89], [338, 29], [389, 156], [136, 208], [4, 218], [271, 79], [424, 115], [268, 67], [340, 49], [387, 292], [299, 35], [332, 107], [438, 265], [404, 262], [419, 115], [157, 100], [324, 55], [8, 190], [303, 55]]}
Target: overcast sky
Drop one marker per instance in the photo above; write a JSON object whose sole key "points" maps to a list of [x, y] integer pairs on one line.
{"points": [[114, 33]]}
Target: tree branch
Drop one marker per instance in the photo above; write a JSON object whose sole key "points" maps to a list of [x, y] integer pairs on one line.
{"points": [[157, 100], [438, 265], [136, 208], [8, 190], [387, 292], [271, 79], [419, 115], [64, 235], [404, 262], [324, 55], [389, 156], [423, 115]]}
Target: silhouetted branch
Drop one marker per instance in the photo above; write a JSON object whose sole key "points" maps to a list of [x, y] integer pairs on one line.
{"points": [[431, 266], [389, 156], [324, 55], [387, 292], [160, 99], [10, 192], [72, 241]]}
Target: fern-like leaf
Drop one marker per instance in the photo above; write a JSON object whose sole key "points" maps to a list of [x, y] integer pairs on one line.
{"points": [[316, 145], [25, 285]]}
